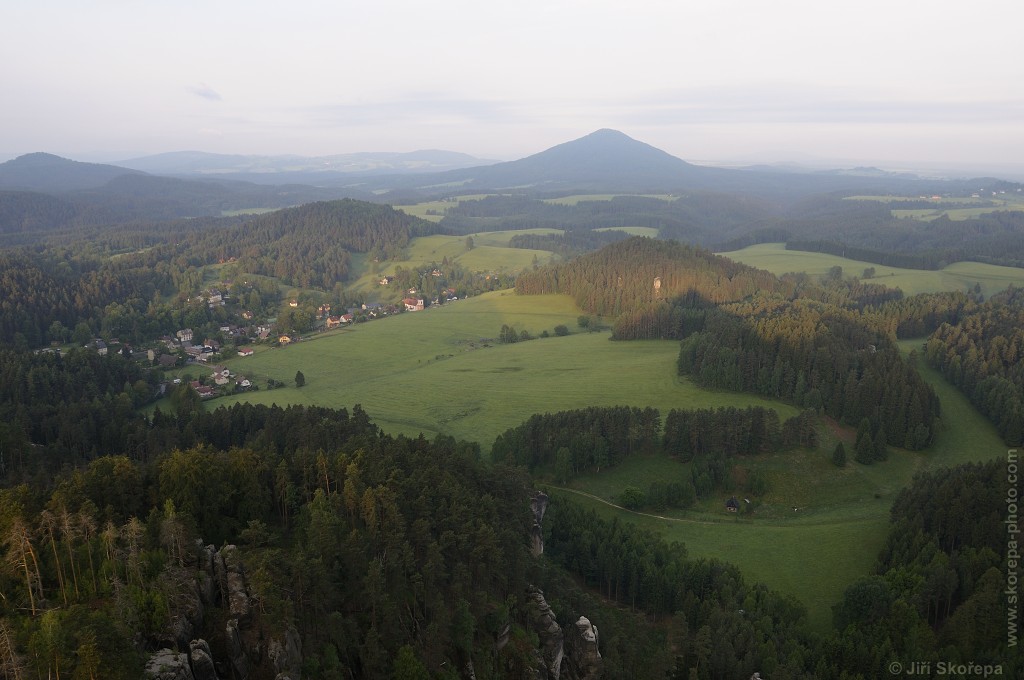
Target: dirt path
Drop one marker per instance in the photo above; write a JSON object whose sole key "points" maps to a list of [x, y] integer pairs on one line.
{"points": [[635, 512]]}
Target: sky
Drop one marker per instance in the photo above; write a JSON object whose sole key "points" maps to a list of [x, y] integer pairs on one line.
{"points": [[897, 82]]}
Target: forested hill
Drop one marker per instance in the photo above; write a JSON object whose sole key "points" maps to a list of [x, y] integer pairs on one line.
{"points": [[310, 245], [631, 274]]}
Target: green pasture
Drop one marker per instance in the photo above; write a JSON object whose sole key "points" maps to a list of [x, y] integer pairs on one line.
{"points": [[247, 211], [958, 276], [576, 199], [442, 371], [978, 206], [433, 211], [490, 253], [650, 232], [819, 527]]}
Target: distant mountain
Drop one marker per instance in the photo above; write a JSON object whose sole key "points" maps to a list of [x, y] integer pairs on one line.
{"points": [[602, 159], [291, 169], [53, 174], [610, 161]]}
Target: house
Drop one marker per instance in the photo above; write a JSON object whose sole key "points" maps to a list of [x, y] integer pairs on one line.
{"points": [[101, 348], [247, 315], [732, 505], [333, 321], [347, 318], [293, 303], [221, 371], [220, 379], [284, 340], [245, 352], [323, 310], [169, 342], [242, 382], [167, 360], [386, 280], [205, 392], [413, 304], [184, 335]]}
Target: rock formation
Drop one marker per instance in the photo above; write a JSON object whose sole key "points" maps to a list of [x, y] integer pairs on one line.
{"points": [[167, 664], [202, 660], [538, 504], [582, 658], [549, 632], [219, 582]]}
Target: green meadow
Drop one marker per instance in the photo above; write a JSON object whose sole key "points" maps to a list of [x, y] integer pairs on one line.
{"points": [[819, 527], [943, 206], [575, 199], [441, 371], [958, 276], [434, 210]]}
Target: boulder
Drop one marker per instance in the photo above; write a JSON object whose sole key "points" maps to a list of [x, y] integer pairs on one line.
{"points": [[167, 664]]}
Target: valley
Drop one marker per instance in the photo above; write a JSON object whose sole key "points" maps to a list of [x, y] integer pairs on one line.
{"points": [[717, 433]]}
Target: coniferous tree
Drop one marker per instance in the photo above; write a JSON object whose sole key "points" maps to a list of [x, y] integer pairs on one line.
{"points": [[839, 455]]}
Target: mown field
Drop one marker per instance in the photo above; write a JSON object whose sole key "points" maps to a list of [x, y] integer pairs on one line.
{"points": [[958, 276]]}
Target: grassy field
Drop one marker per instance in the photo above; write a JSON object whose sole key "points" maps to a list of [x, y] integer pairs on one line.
{"points": [[580, 198], [841, 516], [650, 232], [434, 210], [441, 371], [958, 276], [490, 254], [943, 206]]}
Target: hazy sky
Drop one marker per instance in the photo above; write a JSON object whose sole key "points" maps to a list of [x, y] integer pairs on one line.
{"points": [[897, 80]]}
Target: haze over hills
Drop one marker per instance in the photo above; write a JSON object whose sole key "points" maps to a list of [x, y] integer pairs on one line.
{"points": [[49, 173], [201, 184], [293, 169]]}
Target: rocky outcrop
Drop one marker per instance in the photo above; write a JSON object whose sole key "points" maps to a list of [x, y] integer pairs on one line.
{"points": [[582, 657], [219, 582], [236, 650], [286, 655], [167, 664], [231, 578], [538, 504], [548, 632], [202, 660]]}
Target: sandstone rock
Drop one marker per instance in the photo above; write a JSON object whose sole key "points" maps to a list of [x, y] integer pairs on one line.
{"points": [[236, 650], [583, 659], [235, 592], [207, 578], [167, 664], [539, 505], [286, 656], [202, 660], [548, 631]]}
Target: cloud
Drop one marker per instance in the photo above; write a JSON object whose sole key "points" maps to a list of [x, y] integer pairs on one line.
{"points": [[206, 92]]}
